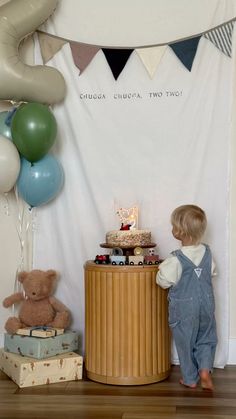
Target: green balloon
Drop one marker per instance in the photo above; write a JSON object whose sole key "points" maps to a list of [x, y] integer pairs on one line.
{"points": [[4, 129], [33, 130]]}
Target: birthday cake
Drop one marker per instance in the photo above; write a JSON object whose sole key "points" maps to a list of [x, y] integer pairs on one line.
{"points": [[128, 235], [128, 238]]}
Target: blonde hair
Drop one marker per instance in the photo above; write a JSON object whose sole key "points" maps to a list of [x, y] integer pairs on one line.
{"points": [[189, 221]]}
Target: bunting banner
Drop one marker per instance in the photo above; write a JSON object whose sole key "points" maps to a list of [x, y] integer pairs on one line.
{"points": [[186, 51], [83, 54], [151, 57], [117, 59], [49, 46], [222, 38]]}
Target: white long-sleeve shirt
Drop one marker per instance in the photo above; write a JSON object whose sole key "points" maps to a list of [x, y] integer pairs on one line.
{"points": [[170, 269]]}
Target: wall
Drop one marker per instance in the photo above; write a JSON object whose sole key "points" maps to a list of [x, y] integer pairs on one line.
{"points": [[232, 224]]}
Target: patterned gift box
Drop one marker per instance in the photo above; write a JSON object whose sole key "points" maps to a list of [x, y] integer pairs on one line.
{"points": [[41, 332], [40, 348], [27, 372]]}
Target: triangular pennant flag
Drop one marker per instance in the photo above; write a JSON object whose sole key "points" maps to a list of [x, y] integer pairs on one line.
{"points": [[117, 58], [83, 54], [222, 38], [198, 272], [49, 45], [186, 51], [151, 57]]}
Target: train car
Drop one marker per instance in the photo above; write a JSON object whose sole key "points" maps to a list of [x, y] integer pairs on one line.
{"points": [[117, 259], [135, 260], [152, 260], [102, 259]]}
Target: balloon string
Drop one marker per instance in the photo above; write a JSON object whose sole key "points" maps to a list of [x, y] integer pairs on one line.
{"points": [[6, 205], [22, 229], [10, 115]]}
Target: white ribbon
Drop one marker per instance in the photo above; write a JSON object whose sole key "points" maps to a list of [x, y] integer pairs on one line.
{"points": [[23, 228]]}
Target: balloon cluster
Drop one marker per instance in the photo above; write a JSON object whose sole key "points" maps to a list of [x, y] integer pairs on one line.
{"points": [[39, 176]]}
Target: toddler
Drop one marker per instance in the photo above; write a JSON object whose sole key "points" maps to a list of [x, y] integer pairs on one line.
{"points": [[188, 272]]}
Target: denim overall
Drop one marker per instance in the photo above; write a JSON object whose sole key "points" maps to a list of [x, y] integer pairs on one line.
{"points": [[191, 316]]}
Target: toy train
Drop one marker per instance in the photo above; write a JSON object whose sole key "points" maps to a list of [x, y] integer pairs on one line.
{"points": [[102, 259], [128, 260]]}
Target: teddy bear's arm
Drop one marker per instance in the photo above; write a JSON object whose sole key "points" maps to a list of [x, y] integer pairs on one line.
{"points": [[12, 299], [57, 305]]}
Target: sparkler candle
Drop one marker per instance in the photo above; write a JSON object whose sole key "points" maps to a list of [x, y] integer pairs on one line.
{"points": [[129, 216]]}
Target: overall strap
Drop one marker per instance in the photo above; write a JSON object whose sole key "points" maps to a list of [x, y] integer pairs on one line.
{"points": [[206, 257], [182, 258]]}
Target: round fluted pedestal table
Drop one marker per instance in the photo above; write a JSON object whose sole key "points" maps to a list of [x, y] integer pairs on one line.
{"points": [[127, 337]]}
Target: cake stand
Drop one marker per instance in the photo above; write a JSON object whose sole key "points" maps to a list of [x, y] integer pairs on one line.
{"points": [[127, 250]]}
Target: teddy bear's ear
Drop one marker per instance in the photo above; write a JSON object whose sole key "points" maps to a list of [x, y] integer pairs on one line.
{"points": [[51, 274], [22, 275]]}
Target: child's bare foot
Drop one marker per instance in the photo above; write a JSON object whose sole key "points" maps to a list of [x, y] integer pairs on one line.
{"points": [[181, 381], [206, 381]]}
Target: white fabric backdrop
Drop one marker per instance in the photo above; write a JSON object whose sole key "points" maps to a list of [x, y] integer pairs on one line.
{"points": [[136, 23], [166, 146]]}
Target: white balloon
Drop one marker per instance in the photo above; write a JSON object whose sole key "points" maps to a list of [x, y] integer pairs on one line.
{"points": [[9, 164], [18, 81]]}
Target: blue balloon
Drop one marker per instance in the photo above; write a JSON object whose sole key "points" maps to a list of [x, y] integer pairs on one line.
{"points": [[40, 182], [5, 130]]}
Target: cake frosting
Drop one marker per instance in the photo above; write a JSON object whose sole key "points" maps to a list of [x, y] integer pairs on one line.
{"points": [[128, 238]]}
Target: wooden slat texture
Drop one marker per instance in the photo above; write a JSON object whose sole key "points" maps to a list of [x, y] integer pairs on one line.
{"points": [[168, 414], [86, 399], [127, 334]]}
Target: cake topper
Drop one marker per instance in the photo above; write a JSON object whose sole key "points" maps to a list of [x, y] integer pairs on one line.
{"points": [[128, 218]]}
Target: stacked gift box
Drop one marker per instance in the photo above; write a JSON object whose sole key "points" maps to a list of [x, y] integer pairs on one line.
{"points": [[35, 356]]}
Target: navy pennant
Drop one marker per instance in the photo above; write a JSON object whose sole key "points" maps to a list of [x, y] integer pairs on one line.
{"points": [[117, 58], [186, 51]]}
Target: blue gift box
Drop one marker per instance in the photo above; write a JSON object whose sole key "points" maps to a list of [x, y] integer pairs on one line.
{"points": [[41, 348]]}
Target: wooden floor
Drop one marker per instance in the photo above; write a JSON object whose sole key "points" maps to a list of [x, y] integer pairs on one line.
{"points": [[89, 400]]}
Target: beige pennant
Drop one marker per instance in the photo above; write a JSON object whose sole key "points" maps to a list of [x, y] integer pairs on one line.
{"points": [[151, 57], [49, 45]]}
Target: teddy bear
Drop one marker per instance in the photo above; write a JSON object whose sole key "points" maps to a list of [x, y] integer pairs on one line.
{"points": [[38, 307]]}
